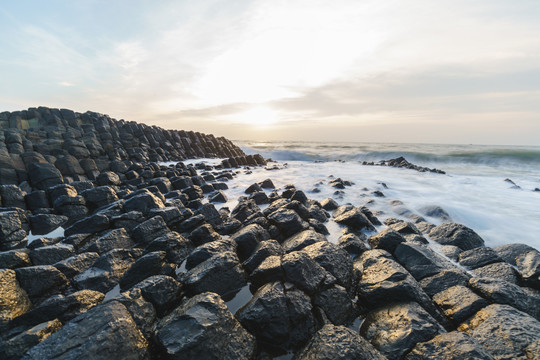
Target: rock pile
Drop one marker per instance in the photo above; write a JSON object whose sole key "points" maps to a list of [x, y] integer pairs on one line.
{"points": [[401, 162], [149, 268]]}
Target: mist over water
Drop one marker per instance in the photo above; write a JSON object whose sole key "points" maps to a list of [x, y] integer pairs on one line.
{"points": [[473, 191]]}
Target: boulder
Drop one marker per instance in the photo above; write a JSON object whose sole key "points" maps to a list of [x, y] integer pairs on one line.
{"points": [[269, 270], [12, 235], [175, 245], [76, 264], [42, 224], [49, 255], [12, 196], [459, 303], [352, 243], [505, 332], [41, 281], [281, 320], [334, 260], [99, 196], [338, 343], [108, 178], [336, 304], [303, 271], [354, 219], [114, 239], [420, 260], [203, 328], [37, 200], [248, 238], [149, 230], [453, 345], [498, 270], [153, 263], [301, 240], [510, 252], [444, 280], [43, 176], [206, 251], [478, 257], [162, 291], [528, 265], [15, 347], [263, 250], [14, 300], [143, 202], [287, 221], [329, 204], [395, 329], [387, 239], [457, 235], [218, 197], [13, 259], [83, 337]]}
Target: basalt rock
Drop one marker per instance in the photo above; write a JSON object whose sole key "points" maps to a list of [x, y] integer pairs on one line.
{"points": [[456, 234], [453, 345]]}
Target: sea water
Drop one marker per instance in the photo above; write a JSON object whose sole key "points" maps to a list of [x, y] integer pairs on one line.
{"points": [[473, 191]]}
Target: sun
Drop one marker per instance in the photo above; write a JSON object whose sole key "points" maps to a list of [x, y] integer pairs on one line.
{"points": [[258, 117]]}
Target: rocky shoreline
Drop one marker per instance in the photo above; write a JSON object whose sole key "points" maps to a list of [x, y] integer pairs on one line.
{"points": [[150, 267]]}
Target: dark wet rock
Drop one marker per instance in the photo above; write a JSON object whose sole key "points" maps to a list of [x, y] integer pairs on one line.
{"points": [[74, 207], [106, 271], [456, 234], [424, 226], [13, 259], [61, 190], [338, 307], [203, 234], [451, 251], [191, 223], [15, 347], [281, 319], [503, 292], [76, 264], [301, 240], [479, 257], [499, 270], [528, 265], [37, 200], [338, 343], [384, 280], [41, 224], [303, 271], [352, 243], [248, 238], [436, 212], [510, 252], [453, 345], [60, 307], [41, 281], [263, 250], [253, 188], [142, 311], [114, 239], [84, 335], [317, 213], [404, 227], [193, 192], [506, 333], [401, 162], [218, 197], [49, 255], [203, 328], [170, 214], [387, 239], [444, 280], [12, 196], [108, 178], [415, 238], [354, 219], [162, 291], [371, 217], [267, 184], [287, 221], [333, 259], [395, 329], [329, 204], [206, 251], [143, 202], [299, 208], [275, 205], [12, 235], [14, 300], [259, 197], [89, 225], [44, 241], [149, 230], [153, 263], [129, 220], [459, 303], [99, 196], [420, 260], [43, 176], [222, 274], [269, 270], [211, 215], [175, 245]]}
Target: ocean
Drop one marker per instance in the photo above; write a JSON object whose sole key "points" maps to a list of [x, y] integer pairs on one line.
{"points": [[487, 188]]}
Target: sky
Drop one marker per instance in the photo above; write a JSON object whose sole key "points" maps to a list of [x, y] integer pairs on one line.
{"points": [[446, 71]]}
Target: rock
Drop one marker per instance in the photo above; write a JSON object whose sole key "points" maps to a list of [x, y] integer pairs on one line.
{"points": [[420, 260], [153, 263], [61, 190], [45, 223], [90, 225], [60, 307], [76, 264], [510, 252], [444, 280], [49, 255], [143, 202], [395, 329], [74, 207], [253, 188], [14, 300], [528, 265], [114, 239], [329, 204], [84, 336], [161, 290], [12, 235], [269, 270], [99, 196], [37, 200], [336, 304], [338, 343], [301, 240], [206, 251], [387, 239], [218, 197], [248, 238], [280, 319], [453, 345], [456, 234], [506, 333], [352, 243], [12, 196], [354, 219], [13, 259], [142, 311], [106, 271], [334, 260], [43, 176], [17, 346], [459, 303], [203, 328], [451, 251], [303, 271], [222, 274], [263, 250], [175, 245], [436, 212], [499, 270], [501, 292], [149, 230], [41, 281], [404, 228], [267, 184], [287, 221], [108, 178], [478, 257]]}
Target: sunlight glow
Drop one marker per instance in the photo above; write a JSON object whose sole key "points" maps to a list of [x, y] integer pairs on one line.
{"points": [[257, 117]]}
